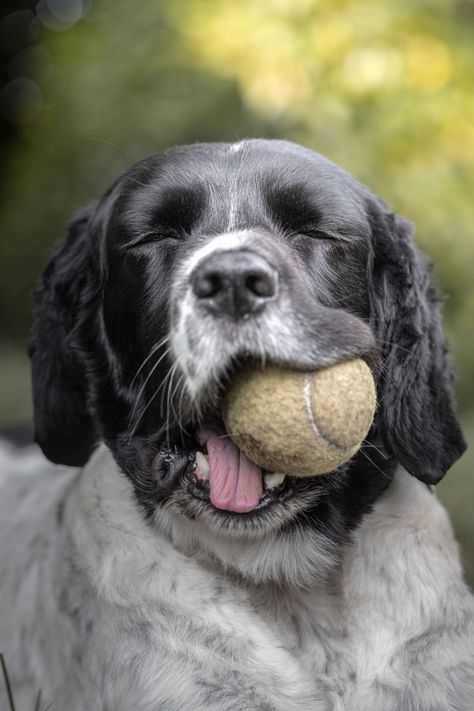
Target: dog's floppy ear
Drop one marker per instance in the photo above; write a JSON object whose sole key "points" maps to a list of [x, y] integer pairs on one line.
{"points": [[64, 428], [416, 413]]}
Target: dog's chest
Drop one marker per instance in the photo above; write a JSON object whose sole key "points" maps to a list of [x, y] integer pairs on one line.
{"points": [[289, 651], [231, 652], [317, 632]]}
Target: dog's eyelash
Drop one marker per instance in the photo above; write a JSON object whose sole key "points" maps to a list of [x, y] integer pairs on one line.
{"points": [[322, 235], [316, 234], [151, 237]]}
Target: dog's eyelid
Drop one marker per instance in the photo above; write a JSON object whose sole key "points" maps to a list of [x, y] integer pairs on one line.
{"points": [[323, 234], [150, 236]]}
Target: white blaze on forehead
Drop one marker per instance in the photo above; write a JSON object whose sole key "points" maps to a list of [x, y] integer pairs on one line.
{"points": [[232, 212], [233, 194], [224, 242]]}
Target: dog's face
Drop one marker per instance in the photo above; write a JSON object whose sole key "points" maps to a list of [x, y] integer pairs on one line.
{"points": [[210, 256]]}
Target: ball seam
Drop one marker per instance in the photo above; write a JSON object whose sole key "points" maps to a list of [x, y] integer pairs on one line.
{"points": [[307, 384]]}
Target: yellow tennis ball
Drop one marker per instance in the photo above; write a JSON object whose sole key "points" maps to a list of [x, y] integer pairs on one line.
{"points": [[297, 423]]}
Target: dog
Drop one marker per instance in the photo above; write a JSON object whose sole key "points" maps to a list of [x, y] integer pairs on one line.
{"points": [[130, 579]]}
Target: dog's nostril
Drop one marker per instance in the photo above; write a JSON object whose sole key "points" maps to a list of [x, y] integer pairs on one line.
{"points": [[260, 284], [207, 285]]}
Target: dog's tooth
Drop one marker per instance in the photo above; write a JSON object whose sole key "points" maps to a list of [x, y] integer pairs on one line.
{"points": [[203, 465], [273, 480]]}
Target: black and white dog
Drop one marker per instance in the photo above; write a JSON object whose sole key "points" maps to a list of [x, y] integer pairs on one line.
{"points": [[167, 572]]}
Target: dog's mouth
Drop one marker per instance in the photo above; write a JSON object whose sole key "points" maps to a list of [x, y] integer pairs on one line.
{"points": [[220, 474]]}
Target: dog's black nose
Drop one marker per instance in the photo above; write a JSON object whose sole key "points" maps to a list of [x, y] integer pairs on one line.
{"points": [[235, 283]]}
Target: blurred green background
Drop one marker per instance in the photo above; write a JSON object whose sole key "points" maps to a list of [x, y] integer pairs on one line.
{"points": [[385, 89]]}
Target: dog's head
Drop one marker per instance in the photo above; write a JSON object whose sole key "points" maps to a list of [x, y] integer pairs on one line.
{"points": [[208, 256]]}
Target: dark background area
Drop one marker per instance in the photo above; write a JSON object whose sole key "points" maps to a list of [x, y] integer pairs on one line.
{"points": [[385, 89]]}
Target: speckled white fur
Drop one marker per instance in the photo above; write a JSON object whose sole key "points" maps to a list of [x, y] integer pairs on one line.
{"points": [[101, 610]]}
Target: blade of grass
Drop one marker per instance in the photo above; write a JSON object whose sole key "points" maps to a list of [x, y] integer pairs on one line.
{"points": [[38, 701], [7, 683]]}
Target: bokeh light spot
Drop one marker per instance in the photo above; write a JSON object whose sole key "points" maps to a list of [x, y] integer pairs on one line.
{"points": [[428, 64], [370, 69], [18, 30], [60, 15], [21, 101], [30, 62]]}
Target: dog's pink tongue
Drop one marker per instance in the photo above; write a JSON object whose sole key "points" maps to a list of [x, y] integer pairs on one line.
{"points": [[235, 481]]}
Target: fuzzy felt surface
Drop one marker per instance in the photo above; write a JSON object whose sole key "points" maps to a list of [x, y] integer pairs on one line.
{"points": [[301, 424]]}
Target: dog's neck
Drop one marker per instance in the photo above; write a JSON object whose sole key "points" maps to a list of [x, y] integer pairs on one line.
{"points": [[130, 559]]}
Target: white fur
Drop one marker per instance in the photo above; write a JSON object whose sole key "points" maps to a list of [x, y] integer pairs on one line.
{"points": [[224, 242], [236, 147], [105, 611], [197, 368]]}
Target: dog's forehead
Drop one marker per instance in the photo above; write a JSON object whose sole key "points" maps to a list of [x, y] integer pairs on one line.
{"points": [[231, 185]]}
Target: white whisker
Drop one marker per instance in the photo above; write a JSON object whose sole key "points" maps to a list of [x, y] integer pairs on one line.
{"points": [[140, 392], [153, 350], [150, 401], [365, 443], [374, 464]]}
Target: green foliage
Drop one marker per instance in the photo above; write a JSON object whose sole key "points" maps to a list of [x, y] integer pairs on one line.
{"points": [[385, 89]]}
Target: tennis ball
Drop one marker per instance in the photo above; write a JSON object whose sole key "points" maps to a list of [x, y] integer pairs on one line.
{"points": [[297, 423]]}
